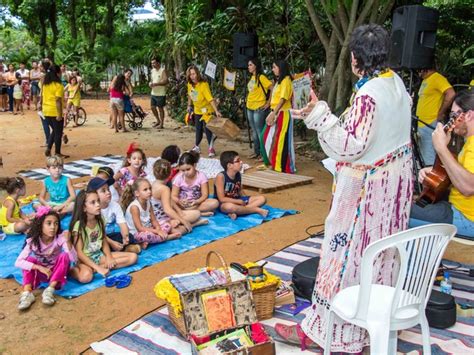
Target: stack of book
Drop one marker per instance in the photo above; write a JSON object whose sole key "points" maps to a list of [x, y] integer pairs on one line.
{"points": [[235, 340], [284, 294], [294, 308]]}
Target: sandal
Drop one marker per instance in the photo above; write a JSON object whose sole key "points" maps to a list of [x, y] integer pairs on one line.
{"points": [[293, 334], [253, 156], [119, 281]]}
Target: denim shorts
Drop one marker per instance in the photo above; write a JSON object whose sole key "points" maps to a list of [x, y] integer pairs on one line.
{"points": [[117, 103], [246, 199]]}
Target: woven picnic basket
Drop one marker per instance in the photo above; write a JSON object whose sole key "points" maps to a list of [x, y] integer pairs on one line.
{"points": [[263, 298], [178, 321]]}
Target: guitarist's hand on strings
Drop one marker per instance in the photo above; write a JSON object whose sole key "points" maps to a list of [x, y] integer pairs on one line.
{"points": [[423, 172]]}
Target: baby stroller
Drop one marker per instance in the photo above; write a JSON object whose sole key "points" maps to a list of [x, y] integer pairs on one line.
{"points": [[134, 114]]}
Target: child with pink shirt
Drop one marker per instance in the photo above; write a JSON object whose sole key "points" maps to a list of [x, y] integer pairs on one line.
{"points": [[191, 188], [133, 168], [45, 258]]}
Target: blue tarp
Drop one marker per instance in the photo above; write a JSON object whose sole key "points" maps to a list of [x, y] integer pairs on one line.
{"points": [[220, 226]]}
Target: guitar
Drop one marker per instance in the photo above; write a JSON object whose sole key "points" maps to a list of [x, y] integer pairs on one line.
{"points": [[436, 182]]}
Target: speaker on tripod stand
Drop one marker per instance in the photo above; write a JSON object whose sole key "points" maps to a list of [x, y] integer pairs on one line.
{"points": [[413, 37], [245, 47], [413, 41]]}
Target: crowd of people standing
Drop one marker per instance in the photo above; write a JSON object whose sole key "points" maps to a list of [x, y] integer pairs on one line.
{"points": [[50, 89]]}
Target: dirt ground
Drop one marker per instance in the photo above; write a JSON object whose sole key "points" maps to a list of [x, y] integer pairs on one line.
{"points": [[72, 324]]}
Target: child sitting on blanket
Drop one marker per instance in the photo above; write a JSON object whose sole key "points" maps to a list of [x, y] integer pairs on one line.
{"points": [[139, 215], [58, 187], [105, 172], [168, 217], [171, 153], [190, 187], [45, 258], [228, 189], [116, 228], [133, 168], [12, 220], [88, 233]]}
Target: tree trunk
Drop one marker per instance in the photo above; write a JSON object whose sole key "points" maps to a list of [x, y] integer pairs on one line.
{"points": [[72, 20], [43, 34], [331, 59], [337, 81], [54, 28], [172, 8], [109, 19]]}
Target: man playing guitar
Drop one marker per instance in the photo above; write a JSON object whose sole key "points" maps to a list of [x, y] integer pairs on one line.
{"points": [[459, 209]]}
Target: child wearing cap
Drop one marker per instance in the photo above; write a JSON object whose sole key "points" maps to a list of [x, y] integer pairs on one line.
{"points": [[116, 228]]}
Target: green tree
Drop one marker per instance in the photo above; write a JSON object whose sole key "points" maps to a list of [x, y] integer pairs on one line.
{"points": [[342, 16]]}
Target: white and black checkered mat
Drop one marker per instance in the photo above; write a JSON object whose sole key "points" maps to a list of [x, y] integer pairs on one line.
{"points": [[80, 168], [75, 169]]}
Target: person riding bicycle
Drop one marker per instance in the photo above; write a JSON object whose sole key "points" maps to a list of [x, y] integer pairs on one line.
{"points": [[73, 96]]}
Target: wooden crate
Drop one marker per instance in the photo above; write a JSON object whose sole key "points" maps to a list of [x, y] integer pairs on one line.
{"points": [[224, 127], [269, 180]]}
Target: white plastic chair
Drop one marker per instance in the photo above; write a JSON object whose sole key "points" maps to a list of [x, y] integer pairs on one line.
{"points": [[383, 310]]}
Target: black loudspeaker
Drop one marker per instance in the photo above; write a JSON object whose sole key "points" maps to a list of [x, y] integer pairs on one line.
{"points": [[245, 47], [413, 37]]}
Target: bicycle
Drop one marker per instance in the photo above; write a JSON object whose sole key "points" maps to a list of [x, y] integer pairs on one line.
{"points": [[81, 116]]}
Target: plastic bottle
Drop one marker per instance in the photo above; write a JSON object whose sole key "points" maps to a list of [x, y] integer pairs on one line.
{"points": [[446, 285]]}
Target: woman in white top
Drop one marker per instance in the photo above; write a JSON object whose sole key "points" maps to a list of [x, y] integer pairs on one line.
{"points": [[372, 190]]}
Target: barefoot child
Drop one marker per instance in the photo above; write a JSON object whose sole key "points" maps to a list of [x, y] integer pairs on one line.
{"points": [[228, 188], [58, 187], [175, 220], [88, 233], [190, 187], [139, 215], [45, 258], [12, 220], [133, 168], [116, 228]]}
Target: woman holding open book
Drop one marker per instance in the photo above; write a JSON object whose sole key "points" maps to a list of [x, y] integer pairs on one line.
{"points": [[372, 187]]}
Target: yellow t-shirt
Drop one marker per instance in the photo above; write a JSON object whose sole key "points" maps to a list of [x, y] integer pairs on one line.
{"points": [[49, 93], [430, 97], [284, 90], [3, 212], [256, 97], [74, 98], [465, 204], [201, 97]]}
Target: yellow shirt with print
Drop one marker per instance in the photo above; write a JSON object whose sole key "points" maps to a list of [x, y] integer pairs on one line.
{"points": [[465, 204], [50, 93], [283, 90], [430, 97], [256, 97], [201, 97]]}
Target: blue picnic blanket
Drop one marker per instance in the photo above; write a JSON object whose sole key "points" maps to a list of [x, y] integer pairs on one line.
{"points": [[220, 226]]}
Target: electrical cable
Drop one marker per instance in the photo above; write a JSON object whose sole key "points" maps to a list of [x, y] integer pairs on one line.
{"points": [[317, 234]]}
